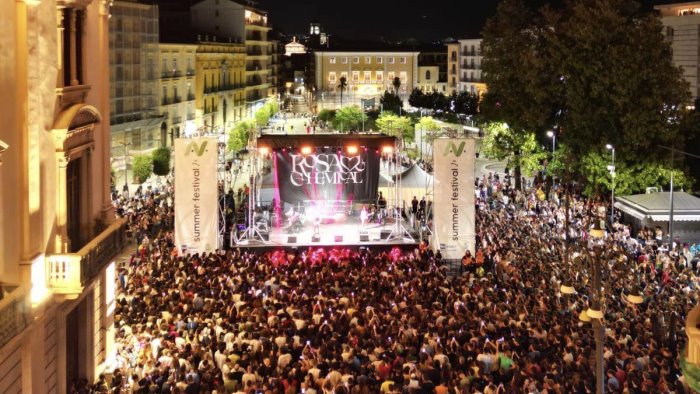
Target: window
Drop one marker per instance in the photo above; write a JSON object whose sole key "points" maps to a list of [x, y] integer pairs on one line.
{"points": [[454, 56], [331, 76], [427, 75], [344, 60], [344, 74], [332, 60], [380, 76], [403, 77], [355, 76], [368, 77], [175, 64], [379, 60], [390, 60], [402, 59], [368, 59], [391, 76], [356, 60]]}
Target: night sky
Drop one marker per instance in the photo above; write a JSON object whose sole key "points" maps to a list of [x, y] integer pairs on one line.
{"points": [[424, 20], [393, 20]]}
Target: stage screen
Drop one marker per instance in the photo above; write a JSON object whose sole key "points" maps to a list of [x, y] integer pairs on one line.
{"points": [[326, 175]]}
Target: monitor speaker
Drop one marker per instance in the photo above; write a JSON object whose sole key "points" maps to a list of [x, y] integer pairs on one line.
{"points": [[291, 239], [316, 238], [364, 238], [265, 236], [385, 234], [338, 238]]}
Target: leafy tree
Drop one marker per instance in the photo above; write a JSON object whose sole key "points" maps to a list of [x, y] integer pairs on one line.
{"points": [[396, 126], [326, 115], [391, 102], [396, 83], [240, 135], [273, 107], [161, 161], [427, 123], [142, 168], [417, 99], [500, 141], [349, 117], [342, 85], [466, 103], [262, 116]]}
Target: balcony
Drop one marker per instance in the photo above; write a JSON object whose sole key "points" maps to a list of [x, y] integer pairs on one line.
{"points": [[176, 119], [190, 96], [190, 116], [256, 22], [68, 273], [177, 99], [189, 72], [171, 74], [15, 312]]}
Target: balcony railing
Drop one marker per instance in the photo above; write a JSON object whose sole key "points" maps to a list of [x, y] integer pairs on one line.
{"points": [[190, 116], [171, 74], [165, 101], [177, 119], [190, 96], [68, 273], [15, 312], [189, 72], [177, 99], [255, 22]]}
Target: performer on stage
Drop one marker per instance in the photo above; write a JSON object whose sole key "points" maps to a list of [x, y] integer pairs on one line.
{"points": [[317, 225], [363, 217]]}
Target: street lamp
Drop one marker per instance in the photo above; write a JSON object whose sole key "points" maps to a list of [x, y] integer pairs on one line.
{"points": [[612, 175], [553, 136], [126, 165]]}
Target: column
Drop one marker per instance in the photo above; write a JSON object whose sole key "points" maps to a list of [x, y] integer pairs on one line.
{"points": [[73, 53], [60, 14], [62, 240]]}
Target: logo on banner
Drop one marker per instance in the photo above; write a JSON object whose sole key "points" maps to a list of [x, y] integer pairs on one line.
{"points": [[197, 149], [326, 169], [452, 148]]}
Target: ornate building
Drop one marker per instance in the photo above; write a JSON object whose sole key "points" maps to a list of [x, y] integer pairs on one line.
{"points": [[58, 234]]}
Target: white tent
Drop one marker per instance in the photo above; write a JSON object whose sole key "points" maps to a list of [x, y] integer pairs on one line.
{"points": [[414, 182], [652, 210]]}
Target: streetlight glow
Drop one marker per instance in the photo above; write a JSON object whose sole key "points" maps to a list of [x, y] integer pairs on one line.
{"points": [[550, 134], [609, 147]]}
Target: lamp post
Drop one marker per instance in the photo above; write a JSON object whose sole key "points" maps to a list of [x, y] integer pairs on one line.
{"points": [[126, 164], [553, 136], [612, 175]]}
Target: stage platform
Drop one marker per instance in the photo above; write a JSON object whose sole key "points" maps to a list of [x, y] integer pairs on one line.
{"points": [[350, 233]]}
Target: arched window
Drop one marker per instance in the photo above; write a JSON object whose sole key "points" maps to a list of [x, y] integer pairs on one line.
{"points": [[454, 56], [427, 75]]}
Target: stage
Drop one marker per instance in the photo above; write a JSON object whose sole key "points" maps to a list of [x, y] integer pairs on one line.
{"points": [[348, 233]]}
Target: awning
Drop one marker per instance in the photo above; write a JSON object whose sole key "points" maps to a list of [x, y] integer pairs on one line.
{"points": [[656, 206]]}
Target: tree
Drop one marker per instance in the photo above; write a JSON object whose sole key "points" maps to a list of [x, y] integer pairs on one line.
{"points": [[161, 161], [391, 102], [396, 126], [262, 116], [342, 85], [396, 83], [349, 117], [240, 135], [598, 69], [273, 107], [142, 167], [500, 141], [326, 115], [466, 103], [417, 98]]}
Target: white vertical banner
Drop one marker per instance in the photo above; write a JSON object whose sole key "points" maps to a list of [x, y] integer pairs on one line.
{"points": [[453, 209], [196, 195]]}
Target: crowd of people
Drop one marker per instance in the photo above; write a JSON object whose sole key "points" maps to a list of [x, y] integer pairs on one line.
{"points": [[392, 321]]}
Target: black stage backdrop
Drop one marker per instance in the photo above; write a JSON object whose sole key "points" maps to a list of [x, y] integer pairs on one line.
{"points": [[327, 175]]}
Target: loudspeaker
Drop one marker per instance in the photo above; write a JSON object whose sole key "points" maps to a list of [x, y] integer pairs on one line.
{"points": [[292, 239], [338, 238], [364, 238], [316, 238], [384, 234]]}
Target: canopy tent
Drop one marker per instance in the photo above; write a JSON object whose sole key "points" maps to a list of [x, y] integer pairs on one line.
{"points": [[652, 210], [414, 182]]}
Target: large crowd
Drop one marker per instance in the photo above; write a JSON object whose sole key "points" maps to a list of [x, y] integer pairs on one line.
{"points": [[341, 321]]}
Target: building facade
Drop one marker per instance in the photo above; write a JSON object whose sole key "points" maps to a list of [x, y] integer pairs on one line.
{"points": [[220, 85], [682, 28], [368, 75], [429, 80], [134, 78], [464, 66], [241, 23], [177, 90], [58, 233]]}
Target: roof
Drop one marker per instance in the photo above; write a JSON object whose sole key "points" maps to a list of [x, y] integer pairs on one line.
{"points": [[415, 177], [331, 140], [656, 206]]}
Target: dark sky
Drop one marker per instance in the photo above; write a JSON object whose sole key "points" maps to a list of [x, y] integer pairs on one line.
{"points": [[425, 20]]}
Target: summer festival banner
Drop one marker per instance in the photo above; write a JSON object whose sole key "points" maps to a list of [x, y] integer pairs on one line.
{"points": [[453, 212], [196, 206]]}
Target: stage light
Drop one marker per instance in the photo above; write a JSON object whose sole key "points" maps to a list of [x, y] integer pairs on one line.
{"points": [[264, 150], [352, 149], [305, 150], [388, 149]]}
